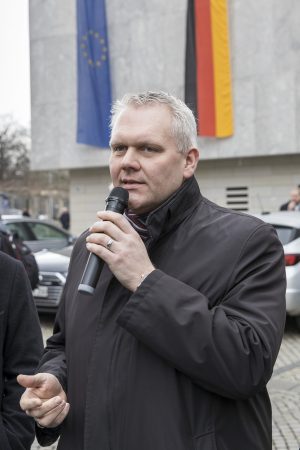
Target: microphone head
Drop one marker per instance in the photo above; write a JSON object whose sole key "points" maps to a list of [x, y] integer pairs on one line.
{"points": [[119, 193], [117, 200]]}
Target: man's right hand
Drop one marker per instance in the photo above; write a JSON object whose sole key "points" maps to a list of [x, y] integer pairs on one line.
{"points": [[44, 399]]}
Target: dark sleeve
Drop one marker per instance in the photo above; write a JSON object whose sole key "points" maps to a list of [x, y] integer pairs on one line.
{"points": [[47, 436], [54, 357], [22, 350], [54, 362], [231, 348], [284, 207]]}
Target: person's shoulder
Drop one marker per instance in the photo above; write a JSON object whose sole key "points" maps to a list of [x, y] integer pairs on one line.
{"points": [[7, 261], [10, 267], [284, 206], [12, 271], [236, 225], [238, 217]]}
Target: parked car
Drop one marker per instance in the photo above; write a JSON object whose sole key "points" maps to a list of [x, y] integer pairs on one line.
{"points": [[38, 234], [13, 246], [287, 225], [53, 269], [52, 264]]}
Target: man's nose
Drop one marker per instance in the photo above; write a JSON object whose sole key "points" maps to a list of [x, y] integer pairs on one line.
{"points": [[130, 159]]}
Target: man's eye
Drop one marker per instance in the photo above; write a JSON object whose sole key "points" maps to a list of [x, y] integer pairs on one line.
{"points": [[119, 149], [148, 149]]}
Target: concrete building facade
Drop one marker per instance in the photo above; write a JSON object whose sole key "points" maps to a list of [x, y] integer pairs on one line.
{"points": [[253, 170]]}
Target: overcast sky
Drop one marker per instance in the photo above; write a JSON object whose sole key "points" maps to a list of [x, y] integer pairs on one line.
{"points": [[14, 60]]}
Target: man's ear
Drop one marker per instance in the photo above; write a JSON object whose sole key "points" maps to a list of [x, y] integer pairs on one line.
{"points": [[191, 161]]}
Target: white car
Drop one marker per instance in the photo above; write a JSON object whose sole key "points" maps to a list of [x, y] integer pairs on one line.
{"points": [[287, 225], [53, 269]]}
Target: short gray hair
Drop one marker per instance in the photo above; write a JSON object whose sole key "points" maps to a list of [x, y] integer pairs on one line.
{"points": [[184, 128]]}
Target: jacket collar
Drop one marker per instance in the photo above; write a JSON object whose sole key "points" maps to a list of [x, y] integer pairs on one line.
{"points": [[174, 209]]}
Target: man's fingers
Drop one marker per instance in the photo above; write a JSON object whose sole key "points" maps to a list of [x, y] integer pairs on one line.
{"points": [[44, 399], [106, 228], [29, 399], [117, 219], [50, 407], [61, 416], [30, 402], [31, 381], [54, 417], [47, 412]]}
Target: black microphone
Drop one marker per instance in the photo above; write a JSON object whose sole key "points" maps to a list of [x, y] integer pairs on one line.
{"points": [[117, 201]]}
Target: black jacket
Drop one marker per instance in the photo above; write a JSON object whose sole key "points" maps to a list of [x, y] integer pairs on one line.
{"points": [[183, 363], [21, 348]]}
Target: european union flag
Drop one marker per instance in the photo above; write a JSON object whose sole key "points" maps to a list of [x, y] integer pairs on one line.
{"points": [[93, 78]]}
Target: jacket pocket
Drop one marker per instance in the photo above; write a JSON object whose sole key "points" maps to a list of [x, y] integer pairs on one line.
{"points": [[206, 442]]}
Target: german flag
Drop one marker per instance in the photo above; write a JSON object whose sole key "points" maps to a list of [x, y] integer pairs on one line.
{"points": [[207, 67]]}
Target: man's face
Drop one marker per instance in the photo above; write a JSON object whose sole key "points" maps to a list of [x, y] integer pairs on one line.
{"points": [[295, 196], [144, 157]]}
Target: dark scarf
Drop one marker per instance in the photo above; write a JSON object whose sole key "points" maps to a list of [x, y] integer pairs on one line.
{"points": [[138, 223]]}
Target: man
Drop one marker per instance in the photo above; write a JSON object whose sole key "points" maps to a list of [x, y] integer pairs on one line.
{"points": [[294, 203], [65, 218], [176, 346], [21, 348], [12, 245]]}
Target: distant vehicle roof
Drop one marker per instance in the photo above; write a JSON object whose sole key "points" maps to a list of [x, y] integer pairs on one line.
{"points": [[17, 218], [10, 216], [285, 218]]}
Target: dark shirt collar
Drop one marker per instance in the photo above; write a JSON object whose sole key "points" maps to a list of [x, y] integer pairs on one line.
{"points": [[174, 210]]}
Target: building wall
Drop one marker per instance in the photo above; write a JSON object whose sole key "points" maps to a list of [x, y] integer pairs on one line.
{"points": [[88, 191], [268, 182], [147, 47], [265, 55]]}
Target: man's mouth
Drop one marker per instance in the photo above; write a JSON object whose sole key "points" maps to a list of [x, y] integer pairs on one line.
{"points": [[130, 182]]}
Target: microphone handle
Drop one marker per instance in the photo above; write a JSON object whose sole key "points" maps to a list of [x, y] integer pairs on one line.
{"points": [[91, 274]]}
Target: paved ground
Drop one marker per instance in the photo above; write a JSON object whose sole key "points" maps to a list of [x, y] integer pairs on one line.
{"points": [[284, 389]]}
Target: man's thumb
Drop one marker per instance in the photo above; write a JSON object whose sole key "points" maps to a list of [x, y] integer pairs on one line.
{"points": [[31, 381]]}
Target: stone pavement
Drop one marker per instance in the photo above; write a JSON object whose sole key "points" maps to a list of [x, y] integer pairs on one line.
{"points": [[284, 389]]}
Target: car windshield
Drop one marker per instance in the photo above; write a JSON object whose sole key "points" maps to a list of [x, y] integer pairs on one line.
{"points": [[45, 231], [21, 230], [285, 234]]}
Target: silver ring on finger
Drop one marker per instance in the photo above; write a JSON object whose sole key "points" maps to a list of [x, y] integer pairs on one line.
{"points": [[109, 243]]}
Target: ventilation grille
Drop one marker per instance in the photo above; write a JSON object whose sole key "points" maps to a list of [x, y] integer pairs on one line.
{"points": [[237, 198]]}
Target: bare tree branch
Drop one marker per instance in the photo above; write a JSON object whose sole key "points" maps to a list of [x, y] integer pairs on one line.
{"points": [[14, 150]]}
